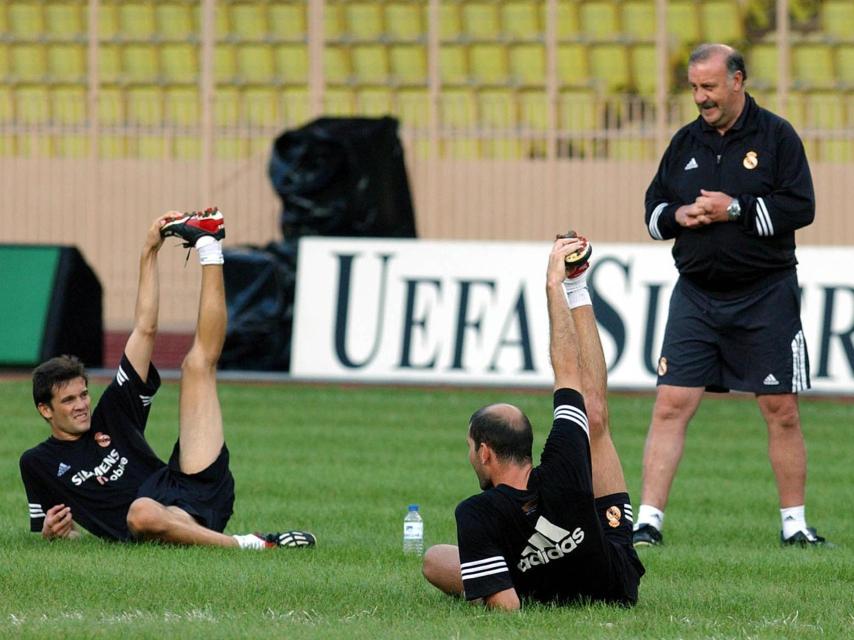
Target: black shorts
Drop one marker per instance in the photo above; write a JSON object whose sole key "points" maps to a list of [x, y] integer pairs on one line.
{"points": [[749, 342], [615, 519], [208, 496]]}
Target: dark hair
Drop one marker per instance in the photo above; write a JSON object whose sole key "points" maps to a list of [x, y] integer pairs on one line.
{"points": [[53, 373], [734, 59], [510, 438]]}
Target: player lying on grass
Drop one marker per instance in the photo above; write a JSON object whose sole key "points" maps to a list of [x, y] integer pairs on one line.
{"points": [[562, 531], [96, 469]]}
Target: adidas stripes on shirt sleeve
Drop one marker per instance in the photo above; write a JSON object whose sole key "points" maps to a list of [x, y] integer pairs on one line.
{"points": [[36, 498], [483, 567]]}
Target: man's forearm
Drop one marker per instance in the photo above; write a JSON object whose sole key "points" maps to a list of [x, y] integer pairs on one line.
{"points": [[148, 293], [563, 343]]}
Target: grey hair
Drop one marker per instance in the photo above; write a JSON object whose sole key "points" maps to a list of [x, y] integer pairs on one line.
{"points": [[734, 59]]}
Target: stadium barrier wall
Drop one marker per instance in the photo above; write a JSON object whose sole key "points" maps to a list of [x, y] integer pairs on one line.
{"points": [[432, 312]]}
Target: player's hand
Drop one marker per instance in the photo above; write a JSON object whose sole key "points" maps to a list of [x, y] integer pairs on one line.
{"points": [[692, 216], [58, 523], [153, 239], [557, 259], [714, 205]]}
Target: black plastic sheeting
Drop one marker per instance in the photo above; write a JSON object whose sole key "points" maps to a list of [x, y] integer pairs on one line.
{"points": [[336, 177]]}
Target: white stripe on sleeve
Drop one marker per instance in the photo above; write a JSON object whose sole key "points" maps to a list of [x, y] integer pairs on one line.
{"points": [[653, 221], [764, 226], [573, 414]]}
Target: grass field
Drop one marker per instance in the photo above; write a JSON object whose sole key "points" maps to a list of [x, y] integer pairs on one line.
{"points": [[345, 462]]}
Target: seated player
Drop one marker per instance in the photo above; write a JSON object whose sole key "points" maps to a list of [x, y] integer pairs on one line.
{"points": [[560, 532], [96, 470]]}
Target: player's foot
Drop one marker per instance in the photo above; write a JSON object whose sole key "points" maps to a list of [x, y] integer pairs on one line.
{"points": [[578, 262], [193, 226], [288, 539], [807, 538], [646, 536]]}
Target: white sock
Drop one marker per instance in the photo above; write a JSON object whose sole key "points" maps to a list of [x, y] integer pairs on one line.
{"points": [[794, 520], [647, 514], [210, 250], [250, 541], [576, 291]]}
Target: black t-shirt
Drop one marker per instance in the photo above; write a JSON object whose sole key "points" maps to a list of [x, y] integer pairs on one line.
{"points": [[546, 542], [99, 474]]}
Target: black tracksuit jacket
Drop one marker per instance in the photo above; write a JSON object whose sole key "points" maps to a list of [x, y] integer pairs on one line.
{"points": [[760, 161]]}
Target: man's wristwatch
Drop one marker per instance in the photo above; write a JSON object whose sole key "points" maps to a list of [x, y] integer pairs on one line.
{"points": [[733, 211]]}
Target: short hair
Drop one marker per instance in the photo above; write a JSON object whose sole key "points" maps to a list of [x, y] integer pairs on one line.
{"points": [[511, 439], [53, 373], [734, 59]]}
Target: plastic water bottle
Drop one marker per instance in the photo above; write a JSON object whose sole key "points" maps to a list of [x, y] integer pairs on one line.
{"points": [[413, 531]]}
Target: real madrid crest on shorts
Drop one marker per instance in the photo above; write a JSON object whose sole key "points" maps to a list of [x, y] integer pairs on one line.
{"points": [[751, 160], [613, 515], [662, 366]]}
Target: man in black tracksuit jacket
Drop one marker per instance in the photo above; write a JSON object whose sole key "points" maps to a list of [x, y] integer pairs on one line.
{"points": [[731, 189]]}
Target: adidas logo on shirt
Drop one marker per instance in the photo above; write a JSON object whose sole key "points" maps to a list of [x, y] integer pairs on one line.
{"points": [[550, 542], [692, 164], [770, 380], [62, 469]]}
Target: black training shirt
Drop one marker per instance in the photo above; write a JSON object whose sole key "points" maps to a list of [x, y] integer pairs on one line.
{"points": [[99, 474]]}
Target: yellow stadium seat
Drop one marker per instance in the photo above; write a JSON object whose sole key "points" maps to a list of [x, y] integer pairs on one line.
{"points": [[683, 21], [631, 144], [404, 22], [226, 107], [65, 21], [140, 64], [568, 22], [812, 66], [845, 66], [599, 20], [609, 66], [111, 115], [109, 63], [32, 104], [497, 117], [488, 64], [825, 113], [288, 21], [222, 23], [255, 64], [66, 63], [7, 112], [225, 63], [333, 22], [176, 21], [578, 120], [722, 21], [520, 21], [182, 106], [413, 107], [450, 24], [480, 21], [572, 65], [837, 19], [137, 21], [26, 20], [408, 64], [644, 69], [292, 63], [339, 102], [534, 111], [374, 101], [528, 65], [458, 108], [364, 21], [261, 106], [762, 70], [336, 65], [68, 105], [370, 64], [145, 117], [108, 21], [249, 21], [5, 60], [453, 64], [179, 63], [29, 62], [296, 107], [638, 19]]}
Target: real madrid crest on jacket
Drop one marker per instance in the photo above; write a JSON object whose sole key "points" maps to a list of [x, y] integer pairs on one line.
{"points": [[760, 161]]}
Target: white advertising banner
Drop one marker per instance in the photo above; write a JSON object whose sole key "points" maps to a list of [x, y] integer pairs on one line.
{"points": [[445, 312]]}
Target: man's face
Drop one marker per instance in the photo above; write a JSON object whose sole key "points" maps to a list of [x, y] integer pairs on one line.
{"points": [[68, 412], [718, 97], [480, 471]]}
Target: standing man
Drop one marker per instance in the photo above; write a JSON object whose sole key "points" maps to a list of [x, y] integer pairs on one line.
{"points": [[559, 532], [731, 189], [96, 470]]}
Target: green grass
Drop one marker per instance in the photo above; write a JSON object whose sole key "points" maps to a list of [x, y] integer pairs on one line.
{"points": [[345, 462]]}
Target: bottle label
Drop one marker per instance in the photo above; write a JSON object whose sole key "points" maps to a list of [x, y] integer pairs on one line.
{"points": [[413, 529]]}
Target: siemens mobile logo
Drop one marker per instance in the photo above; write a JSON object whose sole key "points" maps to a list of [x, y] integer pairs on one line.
{"points": [[550, 542]]}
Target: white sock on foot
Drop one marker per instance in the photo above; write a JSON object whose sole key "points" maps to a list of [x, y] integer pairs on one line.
{"points": [[576, 291], [250, 541], [210, 250], [794, 520], [647, 514]]}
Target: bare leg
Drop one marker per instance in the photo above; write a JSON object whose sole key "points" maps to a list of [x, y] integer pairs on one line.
{"points": [[201, 433], [674, 408], [150, 520], [786, 448], [442, 568], [607, 470]]}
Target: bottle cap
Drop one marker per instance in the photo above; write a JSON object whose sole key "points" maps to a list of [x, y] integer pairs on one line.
{"points": [[413, 507]]}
